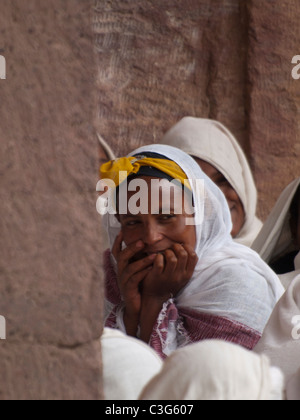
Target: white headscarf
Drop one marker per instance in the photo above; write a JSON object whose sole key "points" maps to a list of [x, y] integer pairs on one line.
{"points": [[211, 141], [281, 338], [230, 280], [128, 365], [275, 238], [215, 370]]}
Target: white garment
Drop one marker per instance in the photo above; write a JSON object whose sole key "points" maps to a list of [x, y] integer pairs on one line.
{"points": [[211, 141], [215, 370], [293, 388], [281, 338], [275, 238], [128, 365], [230, 280]]}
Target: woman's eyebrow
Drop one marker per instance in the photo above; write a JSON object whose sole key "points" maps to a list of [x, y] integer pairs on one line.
{"points": [[129, 216]]}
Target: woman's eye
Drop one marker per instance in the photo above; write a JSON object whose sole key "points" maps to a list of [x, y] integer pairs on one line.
{"points": [[167, 217], [222, 181], [132, 223]]}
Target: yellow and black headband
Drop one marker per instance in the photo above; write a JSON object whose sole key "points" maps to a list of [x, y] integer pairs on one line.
{"points": [[150, 164]]}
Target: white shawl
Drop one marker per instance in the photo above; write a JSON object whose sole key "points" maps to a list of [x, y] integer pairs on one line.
{"points": [[211, 141], [128, 365], [215, 370], [230, 280], [281, 338], [275, 238]]}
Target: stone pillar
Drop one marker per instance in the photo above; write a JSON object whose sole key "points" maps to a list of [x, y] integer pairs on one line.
{"points": [[162, 60], [274, 107], [50, 262], [224, 59]]}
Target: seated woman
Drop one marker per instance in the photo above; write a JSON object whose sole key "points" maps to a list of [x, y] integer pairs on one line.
{"points": [[279, 240], [222, 159], [174, 275]]}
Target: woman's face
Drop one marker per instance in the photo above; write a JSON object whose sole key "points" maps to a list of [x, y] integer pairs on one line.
{"points": [[236, 207], [161, 229]]}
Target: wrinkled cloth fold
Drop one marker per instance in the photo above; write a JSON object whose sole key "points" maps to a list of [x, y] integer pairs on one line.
{"points": [[215, 370], [281, 338], [128, 365]]}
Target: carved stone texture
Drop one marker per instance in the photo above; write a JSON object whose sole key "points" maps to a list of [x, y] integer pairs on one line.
{"points": [[229, 60], [159, 61], [274, 109]]}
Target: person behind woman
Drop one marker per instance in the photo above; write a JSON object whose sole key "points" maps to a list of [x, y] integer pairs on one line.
{"points": [[222, 159], [176, 277], [279, 240]]}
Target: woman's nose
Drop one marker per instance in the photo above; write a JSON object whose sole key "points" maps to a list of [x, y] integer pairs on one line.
{"points": [[152, 235]]}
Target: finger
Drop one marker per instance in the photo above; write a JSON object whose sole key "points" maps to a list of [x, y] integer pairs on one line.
{"points": [[128, 253], [171, 262], [135, 280], [159, 265], [192, 261], [117, 247], [182, 257], [138, 266]]}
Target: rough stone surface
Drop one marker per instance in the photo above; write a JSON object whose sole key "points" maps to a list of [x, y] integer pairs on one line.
{"points": [[50, 261], [157, 61], [229, 60], [274, 109]]}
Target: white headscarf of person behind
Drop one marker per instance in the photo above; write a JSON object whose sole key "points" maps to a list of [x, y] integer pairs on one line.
{"points": [[215, 370], [275, 238], [212, 142], [128, 365], [281, 338]]}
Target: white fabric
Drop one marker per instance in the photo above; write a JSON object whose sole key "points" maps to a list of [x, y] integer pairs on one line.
{"points": [[215, 370], [275, 238], [281, 338], [293, 388], [128, 365], [230, 280], [211, 141]]}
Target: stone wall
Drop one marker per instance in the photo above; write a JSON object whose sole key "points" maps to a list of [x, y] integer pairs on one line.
{"points": [[50, 261], [224, 59], [156, 61]]}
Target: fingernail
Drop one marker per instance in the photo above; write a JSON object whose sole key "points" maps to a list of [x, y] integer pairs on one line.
{"points": [[140, 244], [152, 257]]}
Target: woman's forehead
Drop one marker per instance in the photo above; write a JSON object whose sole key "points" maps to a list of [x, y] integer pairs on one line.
{"points": [[154, 196]]}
